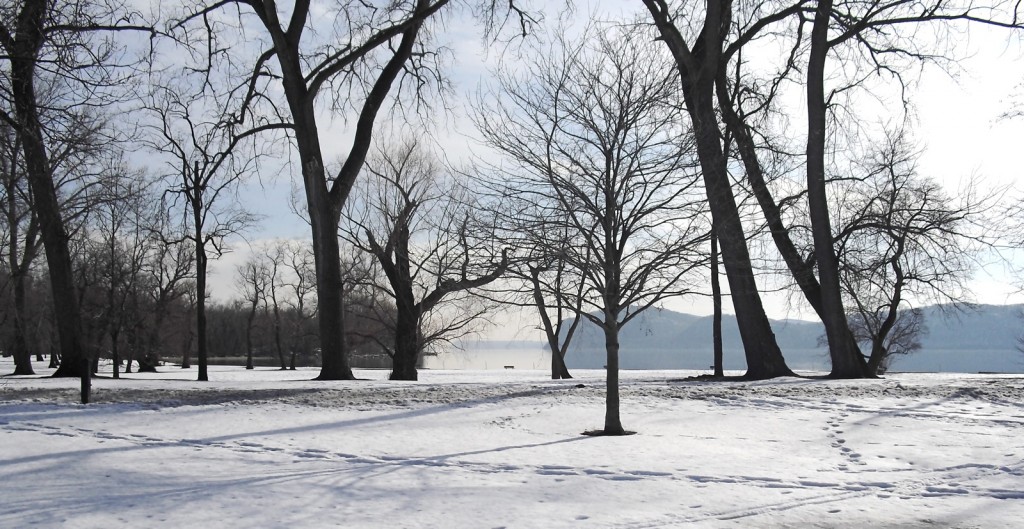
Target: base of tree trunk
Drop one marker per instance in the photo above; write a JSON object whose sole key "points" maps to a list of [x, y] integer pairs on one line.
{"points": [[404, 376], [20, 371], [843, 375], [70, 370], [606, 433], [336, 376], [86, 388], [767, 374]]}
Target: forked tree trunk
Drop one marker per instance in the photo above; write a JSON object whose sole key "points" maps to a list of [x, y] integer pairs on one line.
{"points": [[558, 368]]}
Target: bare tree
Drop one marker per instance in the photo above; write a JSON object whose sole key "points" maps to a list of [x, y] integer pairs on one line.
{"points": [[206, 161], [592, 134], [121, 230], [298, 259], [903, 241], [699, 60], [873, 39], [70, 42], [254, 280], [167, 279], [557, 294], [351, 60], [416, 225]]}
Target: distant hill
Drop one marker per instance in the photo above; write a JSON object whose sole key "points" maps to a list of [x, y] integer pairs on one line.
{"points": [[981, 339]]}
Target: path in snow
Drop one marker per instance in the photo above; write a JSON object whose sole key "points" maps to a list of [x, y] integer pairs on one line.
{"points": [[500, 449]]}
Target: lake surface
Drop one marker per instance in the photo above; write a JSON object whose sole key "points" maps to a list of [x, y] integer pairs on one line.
{"points": [[531, 355]]}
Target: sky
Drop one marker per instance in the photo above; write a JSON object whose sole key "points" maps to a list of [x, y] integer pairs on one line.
{"points": [[956, 122]]}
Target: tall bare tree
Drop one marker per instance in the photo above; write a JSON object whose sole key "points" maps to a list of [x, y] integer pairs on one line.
{"points": [[121, 230], [698, 60], [592, 134], [206, 162], [904, 241], [298, 259], [349, 57], [416, 225], [253, 278], [70, 42]]}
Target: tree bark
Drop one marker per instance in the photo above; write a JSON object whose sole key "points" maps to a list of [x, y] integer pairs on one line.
{"points": [[716, 319], [277, 334], [698, 69], [407, 346], [802, 271], [115, 353], [334, 354], [201, 311], [764, 358], [612, 420], [248, 337], [847, 361], [28, 41], [22, 356], [558, 367]]}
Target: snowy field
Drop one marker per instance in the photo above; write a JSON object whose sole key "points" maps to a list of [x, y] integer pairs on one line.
{"points": [[488, 449]]}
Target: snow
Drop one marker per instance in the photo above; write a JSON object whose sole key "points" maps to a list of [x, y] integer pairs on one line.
{"points": [[503, 448]]}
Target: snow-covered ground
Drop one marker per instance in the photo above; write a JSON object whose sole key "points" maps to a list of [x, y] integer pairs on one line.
{"points": [[487, 449]]}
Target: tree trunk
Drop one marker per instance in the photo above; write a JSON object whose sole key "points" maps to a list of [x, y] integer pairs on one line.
{"points": [[29, 41], [612, 421], [334, 355], [558, 367], [115, 355], [716, 301], [86, 379], [248, 337], [186, 349], [802, 271], [698, 70], [201, 311], [847, 361], [22, 356], [407, 346], [764, 359], [277, 336]]}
